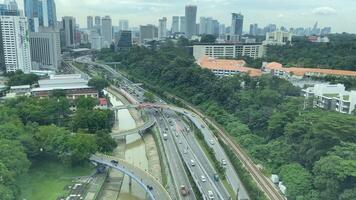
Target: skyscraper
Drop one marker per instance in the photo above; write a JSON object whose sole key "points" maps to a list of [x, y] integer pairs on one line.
{"points": [[162, 28], [69, 31], [237, 24], [90, 22], [191, 20], [123, 25], [14, 44], [125, 40], [40, 13], [175, 24], [9, 10], [11, 4], [97, 21], [182, 24], [106, 30]]}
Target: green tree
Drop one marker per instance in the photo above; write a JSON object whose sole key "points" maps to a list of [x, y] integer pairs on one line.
{"points": [[208, 38], [297, 180], [13, 156], [87, 103]]}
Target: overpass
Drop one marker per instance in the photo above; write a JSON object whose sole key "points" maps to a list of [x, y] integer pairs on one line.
{"points": [[140, 129], [153, 188]]}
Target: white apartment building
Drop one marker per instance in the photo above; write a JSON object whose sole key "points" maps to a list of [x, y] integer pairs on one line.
{"points": [[14, 44], [332, 97], [228, 50], [278, 38], [96, 40], [106, 31]]}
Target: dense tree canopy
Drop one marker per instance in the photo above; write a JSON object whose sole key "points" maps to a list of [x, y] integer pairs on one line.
{"points": [[19, 78], [264, 114], [338, 54]]}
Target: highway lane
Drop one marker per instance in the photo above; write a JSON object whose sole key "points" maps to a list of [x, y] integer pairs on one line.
{"points": [[186, 134], [175, 163]]}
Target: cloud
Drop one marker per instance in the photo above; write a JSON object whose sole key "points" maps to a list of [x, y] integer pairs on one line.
{"points": [[324, 11]]}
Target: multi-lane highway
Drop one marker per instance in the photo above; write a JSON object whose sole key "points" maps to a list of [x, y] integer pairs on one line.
{"points": [[191, 150]]}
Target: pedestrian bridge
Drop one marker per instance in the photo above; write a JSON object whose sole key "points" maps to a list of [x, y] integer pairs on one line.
{"points": [[141, 129], [153, 188]]}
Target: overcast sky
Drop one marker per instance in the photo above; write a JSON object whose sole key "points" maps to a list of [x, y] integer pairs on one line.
{"points": [[339, 14]]}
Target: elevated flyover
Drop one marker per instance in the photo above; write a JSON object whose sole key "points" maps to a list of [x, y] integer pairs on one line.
{"points": [[153, 188]]}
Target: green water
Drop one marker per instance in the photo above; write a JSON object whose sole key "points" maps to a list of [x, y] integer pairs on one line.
{"points": [[47, 180]]}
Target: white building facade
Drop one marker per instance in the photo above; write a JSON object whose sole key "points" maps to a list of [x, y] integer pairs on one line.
{"points": [[278, 38], [162, 28], [106, 31], [228, 50], [14, 44]]}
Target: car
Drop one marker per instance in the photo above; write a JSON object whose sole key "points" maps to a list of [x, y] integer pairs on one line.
{"points": [[149, 187], [180, 141], [185, 151], [192, 163], [114, 162], [202, 126], [212, 142], [184, 190], [177, 135], [203, 179], [210, 195], [216, 177], [223, 162]]}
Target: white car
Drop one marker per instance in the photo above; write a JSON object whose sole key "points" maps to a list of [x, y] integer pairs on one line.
{"points": [[212, 142], [210, 195], [192, 163], [203, 179], [223, 162]]}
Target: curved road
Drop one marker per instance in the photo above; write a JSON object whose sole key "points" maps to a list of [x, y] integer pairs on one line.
{"points": [[144, 179]]}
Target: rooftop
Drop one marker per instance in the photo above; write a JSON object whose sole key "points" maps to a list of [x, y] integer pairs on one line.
{"points": [[304, 71], [231, 65]]}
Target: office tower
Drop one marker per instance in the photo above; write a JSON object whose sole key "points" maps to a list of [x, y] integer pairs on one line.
{"points": [[14, 44], [97, 21], [222, 29], [69, 31], [253, 29], [11, 5], [203, 25], [182, 24], [175, 24], [96, 40], [191, 20], [123, 25], [6, 10], [162, 28], [40, 13], [106, 30], [90, 22], [45, 49], [147, 33], [125, 41], [237, 24]]}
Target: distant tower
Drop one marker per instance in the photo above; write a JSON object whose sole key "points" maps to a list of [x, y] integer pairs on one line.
{"points": [[106, 30], [162, 28], [124, 25], [175, 24], [90, 22], [191, 20], [237, 24], [182, 24], [69, 29]]}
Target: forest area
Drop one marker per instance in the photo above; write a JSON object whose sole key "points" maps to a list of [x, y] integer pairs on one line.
{"points": [[312, 150], [33, 130]]}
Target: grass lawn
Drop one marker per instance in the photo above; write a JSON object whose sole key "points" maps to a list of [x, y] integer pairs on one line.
{"points": [[47, 180]]}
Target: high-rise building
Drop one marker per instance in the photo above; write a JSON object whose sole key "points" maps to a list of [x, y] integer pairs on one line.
{"points": [[183, 25], [11, 4], [45, 49], [69, 31], [40, 13], [253, 29], [175, 24], [162, 28], [106, 30], [123, 25], [90, 22], [125, 40], [191, 20], [14, 44], [222, 29], [97, 21], [8, 9], [237, 24], [96, 40], [148, 33]]}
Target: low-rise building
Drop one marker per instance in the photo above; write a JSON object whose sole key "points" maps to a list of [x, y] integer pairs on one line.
{"points": [[256, 50], [20, 90], [278, 38], [222, 67], [73, 85], [332, 97], [277, 69]]}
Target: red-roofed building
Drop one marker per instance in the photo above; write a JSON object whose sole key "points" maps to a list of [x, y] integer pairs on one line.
{"points": [[223, 67], [103, 103]]}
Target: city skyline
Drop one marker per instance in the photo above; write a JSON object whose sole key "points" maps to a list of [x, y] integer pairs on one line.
{"points": [[290, 14]]}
